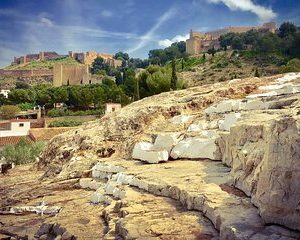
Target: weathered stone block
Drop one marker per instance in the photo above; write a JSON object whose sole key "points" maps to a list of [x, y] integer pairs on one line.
{"points": [[196, 148]]}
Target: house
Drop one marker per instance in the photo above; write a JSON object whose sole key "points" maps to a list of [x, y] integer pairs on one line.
{"points": [[5, 92], [15, 127], [111, 107]]}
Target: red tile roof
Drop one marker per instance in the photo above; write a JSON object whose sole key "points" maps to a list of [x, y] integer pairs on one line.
{"points": [[13, 140]]}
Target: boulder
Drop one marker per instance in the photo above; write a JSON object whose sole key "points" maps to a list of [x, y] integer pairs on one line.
{"points": [[195, 147], [100, 197], [166, 141], [143, 151]]}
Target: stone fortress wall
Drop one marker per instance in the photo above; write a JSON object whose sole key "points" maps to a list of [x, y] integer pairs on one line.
{"points": [[71, 75], [62, 74], [26, 73], [42, 56], [201, 42], [89, 57]]}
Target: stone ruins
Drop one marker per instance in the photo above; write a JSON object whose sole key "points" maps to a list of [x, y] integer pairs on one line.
{"points": [[201, 42]]}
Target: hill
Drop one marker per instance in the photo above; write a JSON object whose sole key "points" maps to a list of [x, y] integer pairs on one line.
{"points": [[227, 65], [48, 64]]}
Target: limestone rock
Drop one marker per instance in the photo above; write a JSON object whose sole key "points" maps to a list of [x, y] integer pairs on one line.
{"points": [[181, 119], [143, 151], [196, 148], [230, 120], [166, 141]]}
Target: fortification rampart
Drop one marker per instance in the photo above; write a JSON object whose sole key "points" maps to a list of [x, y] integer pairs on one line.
{"points": [[26, 73]]}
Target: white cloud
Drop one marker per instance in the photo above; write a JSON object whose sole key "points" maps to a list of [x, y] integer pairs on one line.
{"points": [[167, 42], [264, 14], [106, 13], [46, 22], [149, 36]]}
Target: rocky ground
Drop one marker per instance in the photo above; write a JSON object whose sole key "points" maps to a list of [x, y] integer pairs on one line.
{"points": [[218, 161]]}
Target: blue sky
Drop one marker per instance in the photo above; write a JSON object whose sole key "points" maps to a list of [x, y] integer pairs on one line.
{"points": [[134, 26]]}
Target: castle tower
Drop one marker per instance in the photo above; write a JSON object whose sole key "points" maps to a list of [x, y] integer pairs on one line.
{"points": [[41, 56], [71, 54]]}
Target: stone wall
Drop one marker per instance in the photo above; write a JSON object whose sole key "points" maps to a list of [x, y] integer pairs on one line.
{"points": [[89, 57], [70, 75], [36, 56], [26, 73], [199, 42]]}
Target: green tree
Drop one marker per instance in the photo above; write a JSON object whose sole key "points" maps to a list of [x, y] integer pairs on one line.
{"points": [[129, 82], [287, 28], [9, 111], [174, 76], [22, 85], [99, 65], [237, 43], [119, 78], [59, 95], [211, 51], [121, 56], [17, 96]]}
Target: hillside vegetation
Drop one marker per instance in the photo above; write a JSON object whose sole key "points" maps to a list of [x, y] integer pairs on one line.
{"points": [[47, 64], [226, 65]]}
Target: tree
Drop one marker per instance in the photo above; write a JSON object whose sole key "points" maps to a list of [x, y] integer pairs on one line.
{"points": [[287, 28], [119, 78], [9, 111], [237, 43], [121, 56], [129, 82], [17, 96], [59, 95], [212, 51], [22, 85], [174, 76], [99, 65], [267, 42]]}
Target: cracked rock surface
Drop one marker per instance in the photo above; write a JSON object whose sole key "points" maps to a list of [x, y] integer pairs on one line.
{"points": [[219, 161]]}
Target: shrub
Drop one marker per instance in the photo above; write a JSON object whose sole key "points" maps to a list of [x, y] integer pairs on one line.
{"points": [[26, 106], [61, 112], [292, 66], [65, 123], [9, 111], [23, 152]]}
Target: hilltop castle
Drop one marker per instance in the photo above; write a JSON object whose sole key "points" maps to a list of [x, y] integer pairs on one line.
{"points": [[89, 57], [201, 42], [84, 58]]}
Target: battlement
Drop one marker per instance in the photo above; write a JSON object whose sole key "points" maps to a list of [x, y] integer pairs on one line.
{"points": [[41, 56]]}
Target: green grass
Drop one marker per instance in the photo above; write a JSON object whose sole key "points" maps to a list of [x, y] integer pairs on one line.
{"points": [[48, 64]]}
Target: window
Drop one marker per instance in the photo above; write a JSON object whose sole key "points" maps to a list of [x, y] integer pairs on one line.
{"points": [[21, 124]]}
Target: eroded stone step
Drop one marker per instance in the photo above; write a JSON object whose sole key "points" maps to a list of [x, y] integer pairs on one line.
{"points": [[141, 215], [198, 185]]}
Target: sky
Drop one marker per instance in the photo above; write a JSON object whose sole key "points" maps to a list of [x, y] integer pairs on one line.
{"points": [[132, 26]]}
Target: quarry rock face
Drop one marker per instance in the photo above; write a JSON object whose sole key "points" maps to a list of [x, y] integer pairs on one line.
{"points": [[229, 153]]}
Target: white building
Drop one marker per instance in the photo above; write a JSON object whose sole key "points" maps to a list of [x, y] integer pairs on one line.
{"points": [[111, 107], [15, 127], [5, 92]]}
